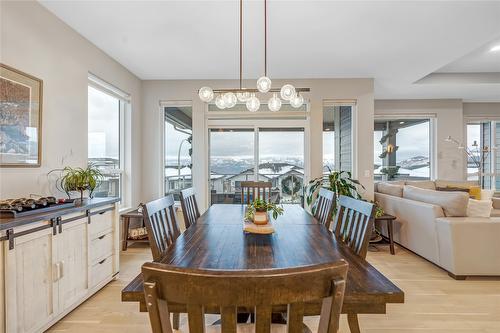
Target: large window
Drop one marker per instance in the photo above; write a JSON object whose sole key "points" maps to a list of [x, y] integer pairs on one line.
{"points": [[105, 142], [483, 138], [337, 137], [402, 149], [178, 136], [273, 155]]}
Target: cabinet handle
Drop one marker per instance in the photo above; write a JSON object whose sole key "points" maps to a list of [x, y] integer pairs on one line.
{"points": [[101, 237], [102, 261], [61, 269], [57, 271]]}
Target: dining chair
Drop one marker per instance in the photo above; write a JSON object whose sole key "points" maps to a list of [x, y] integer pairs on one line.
{"points": [[255, 190], [325, 204], [257, 290], [161, 224], [189, 207], [353, 225]]}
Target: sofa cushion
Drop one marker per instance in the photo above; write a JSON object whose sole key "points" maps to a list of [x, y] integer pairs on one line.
{"points": [[479, 208], [426, 184], [453, 203], [390, 189], [459, 184]]}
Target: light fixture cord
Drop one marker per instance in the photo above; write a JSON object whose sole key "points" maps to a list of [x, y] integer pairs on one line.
{"points": [[241, 42], [265, 37]]}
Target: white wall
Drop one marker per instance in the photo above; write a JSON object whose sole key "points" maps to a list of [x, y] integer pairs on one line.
{"points": [[449, 121], [153, 92], [484, 110], [35, 41]]}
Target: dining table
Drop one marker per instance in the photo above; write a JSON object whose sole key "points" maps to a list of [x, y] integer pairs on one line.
{"points": [[217, 241]]}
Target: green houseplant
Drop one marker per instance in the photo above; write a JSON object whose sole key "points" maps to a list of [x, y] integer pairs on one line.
{"points": [[78, 180], [339, 182], [262, 206]]}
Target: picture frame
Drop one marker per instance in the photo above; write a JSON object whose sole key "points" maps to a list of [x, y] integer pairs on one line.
{"points": [[21, 102]]}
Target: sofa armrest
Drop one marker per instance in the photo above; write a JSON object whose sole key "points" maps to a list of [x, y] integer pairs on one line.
{"points": [[496, 203], [469, 245]]}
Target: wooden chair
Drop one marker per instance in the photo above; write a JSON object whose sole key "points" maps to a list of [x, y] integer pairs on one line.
{"points": [[255, 190], [163, 230], [325, 204], [353, 226], [251, 289], [161, 223], [189, 207]]}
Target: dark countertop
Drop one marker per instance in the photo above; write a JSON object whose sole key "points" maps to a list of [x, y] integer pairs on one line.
{"points": [[13, 222]]}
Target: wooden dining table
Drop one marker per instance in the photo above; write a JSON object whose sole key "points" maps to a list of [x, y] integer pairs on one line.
{"points": [[217, 241]]}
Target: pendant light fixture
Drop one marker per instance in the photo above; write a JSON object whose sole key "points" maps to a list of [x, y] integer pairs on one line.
{"points": [[228, 98]]}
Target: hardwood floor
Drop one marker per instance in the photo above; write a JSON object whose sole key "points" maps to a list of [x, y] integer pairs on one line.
{"points": [[434, 301]]}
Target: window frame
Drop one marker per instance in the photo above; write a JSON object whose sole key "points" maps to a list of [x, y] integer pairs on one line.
{"points": [[432, 135], [255, 124], [124, 106]]}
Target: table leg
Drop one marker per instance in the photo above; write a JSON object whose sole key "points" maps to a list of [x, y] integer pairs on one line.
{"points": [[391, 240], [352, 320], [126, 223]]}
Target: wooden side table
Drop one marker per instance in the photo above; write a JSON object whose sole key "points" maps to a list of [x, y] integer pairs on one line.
{"points": [[126, 225], [389, 219]]}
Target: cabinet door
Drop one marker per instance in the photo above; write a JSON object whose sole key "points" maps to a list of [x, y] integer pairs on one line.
{"points": [[73, 262], [31, 292]]}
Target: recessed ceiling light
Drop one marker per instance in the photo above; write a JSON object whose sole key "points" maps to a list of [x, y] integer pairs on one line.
{"points": [[495, 48]]}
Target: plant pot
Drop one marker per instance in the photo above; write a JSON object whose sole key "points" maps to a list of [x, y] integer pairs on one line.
{"points": [[260, 218]]}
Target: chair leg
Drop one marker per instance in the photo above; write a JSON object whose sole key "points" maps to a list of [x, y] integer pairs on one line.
{"points": [[352, 320], [175, 320]]}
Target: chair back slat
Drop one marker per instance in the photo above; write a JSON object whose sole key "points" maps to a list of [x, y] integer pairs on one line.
{"points": [[353, 224], [257, 289], [189, 207], [161, 224], [295, 317], [255, 190], [229, 319], [324, 207]]}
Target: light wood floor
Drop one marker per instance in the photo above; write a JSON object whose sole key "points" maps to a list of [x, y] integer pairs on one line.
{"points": [[434, 302]]}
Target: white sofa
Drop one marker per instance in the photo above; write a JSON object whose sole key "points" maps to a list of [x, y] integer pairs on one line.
{"points": [[463, 246]]}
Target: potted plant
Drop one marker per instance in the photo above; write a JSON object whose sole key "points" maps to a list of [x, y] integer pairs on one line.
{"points": [[257, 211], [79, 180], [339, 182]]}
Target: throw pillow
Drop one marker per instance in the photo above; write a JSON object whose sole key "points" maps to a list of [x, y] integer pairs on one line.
{"points": [[453, 203], [479, 208], [426, 184], [475, 192], [390, 189]]}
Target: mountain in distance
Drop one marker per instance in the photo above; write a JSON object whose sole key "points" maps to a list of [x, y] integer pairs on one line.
{"points": [[415, 162]]}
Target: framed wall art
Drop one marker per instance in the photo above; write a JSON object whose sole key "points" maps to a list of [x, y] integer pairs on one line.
{"points": [[20, 118]]}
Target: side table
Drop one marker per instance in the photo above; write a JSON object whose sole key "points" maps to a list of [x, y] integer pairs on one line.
{"points": [[389, 220], [126, 225]]}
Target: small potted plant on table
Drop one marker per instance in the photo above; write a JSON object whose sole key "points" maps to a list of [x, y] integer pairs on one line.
{"points": [[257, 211]]}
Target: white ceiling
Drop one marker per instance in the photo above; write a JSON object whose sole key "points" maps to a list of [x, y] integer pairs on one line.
{"points": [[397, 43]]}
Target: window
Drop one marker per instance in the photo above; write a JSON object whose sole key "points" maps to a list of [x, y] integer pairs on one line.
{"points": [[483, 138], [105, 140], [178, 136], [273, 154], [402, 149], [337, 137]]}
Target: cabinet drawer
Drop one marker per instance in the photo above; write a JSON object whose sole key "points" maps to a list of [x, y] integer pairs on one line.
{"points": [[100, 223], [101, 247], [101, 271]]}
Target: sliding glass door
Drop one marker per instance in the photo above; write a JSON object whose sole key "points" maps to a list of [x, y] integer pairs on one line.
{"points": [[271, 154]]}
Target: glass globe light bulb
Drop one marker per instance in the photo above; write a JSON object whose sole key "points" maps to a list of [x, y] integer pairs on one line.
{"points": [[219, 102], [243, 96], [297, 101], [274, 103], [287, 92], [264, 84], [206, 94], [253, 104], [230, 99]]}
